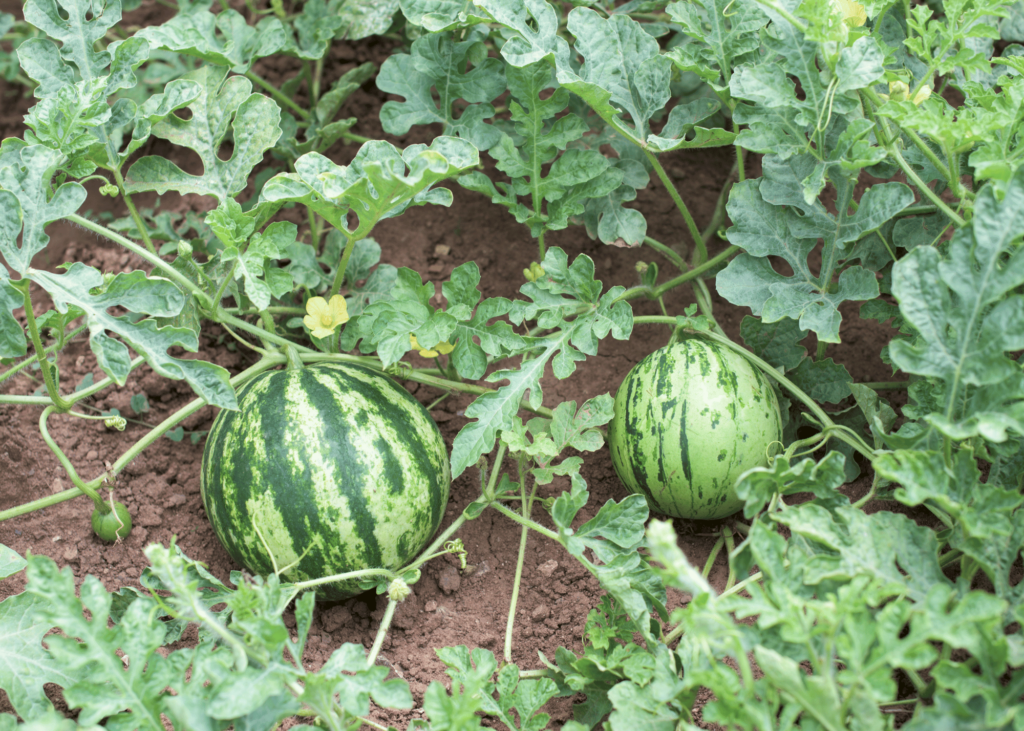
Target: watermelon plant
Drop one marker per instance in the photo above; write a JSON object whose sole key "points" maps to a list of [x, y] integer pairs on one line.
{"points": [[874, 573]]}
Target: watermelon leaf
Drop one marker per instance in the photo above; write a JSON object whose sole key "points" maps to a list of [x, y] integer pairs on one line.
{"points": [[223, 40], [534, 24], [766, 224], [967, 314], [438, 62], [85, 24], [757, 486], [12, 335], [441, 15], [136, 293], [375, 185], [223, 106], [25, 203], [25, 664], [623, 71], [563, 292]]}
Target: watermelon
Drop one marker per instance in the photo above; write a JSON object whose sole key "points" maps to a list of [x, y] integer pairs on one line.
{"points": [[329, 469], [689, 420]]}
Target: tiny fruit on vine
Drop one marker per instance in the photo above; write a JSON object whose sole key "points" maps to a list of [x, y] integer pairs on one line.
{"points": [[322, 471], [112, 525], [689, 420]]}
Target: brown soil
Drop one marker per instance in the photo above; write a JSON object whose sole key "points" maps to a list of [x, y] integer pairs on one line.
{"points": [[161, 487]]}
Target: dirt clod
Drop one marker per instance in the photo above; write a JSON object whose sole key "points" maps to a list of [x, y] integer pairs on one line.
{"points": [[547, 568], [449, 581]]}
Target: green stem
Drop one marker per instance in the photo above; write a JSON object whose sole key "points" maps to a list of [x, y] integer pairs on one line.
{"points": [[224, 284], [349, 136], [225, 318], [819, 353], [66, 463], [719, 215], [887, 385], [929, 153], [317, 76], [715, 550], [661, 289], [524, 521], [488, 488], [701, 251], [272, 310], [534, 674], [382, 632], [136, 449], [668, 252], [730, 546], [314, 230], [871, 99], [277, 94], [526, 507], [740, 153], [166, 270], [15, 369], [870, 494], [133, 212], [700, 291], [427, 554], [339, 275], [695, 272], [51, 386], [347, 576], [925, 190]]}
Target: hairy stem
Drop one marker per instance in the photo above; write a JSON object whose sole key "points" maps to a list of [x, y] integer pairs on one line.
{"points": [[166, 270], [701, 252], [339, 276], [50, 350], [526, 507], [661, 289], [382, 632], [66, 463], [44, 365], [532, 524], [278, 95], [133, 212]]}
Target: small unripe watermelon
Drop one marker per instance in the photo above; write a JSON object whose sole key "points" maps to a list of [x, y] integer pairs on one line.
{"points": [[112, 525], [333, 468], [689, 420]]}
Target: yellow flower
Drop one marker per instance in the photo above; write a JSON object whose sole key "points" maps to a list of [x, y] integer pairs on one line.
{"points": [[325, 316], [444, 347], [854, 14], [919, 97]]}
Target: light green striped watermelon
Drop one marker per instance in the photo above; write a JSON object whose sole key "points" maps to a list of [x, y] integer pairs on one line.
{"points": [[333, 468], [689, 420]]}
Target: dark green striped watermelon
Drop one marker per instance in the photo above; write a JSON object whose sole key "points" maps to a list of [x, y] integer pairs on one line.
{"points": [[338, 467], [689, 420]]}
